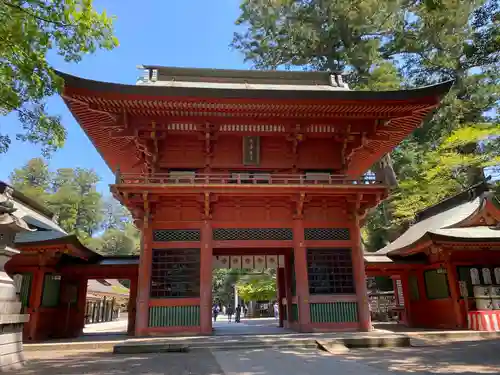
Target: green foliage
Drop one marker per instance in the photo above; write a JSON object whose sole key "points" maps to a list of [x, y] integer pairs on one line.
{"points": [[386, 45], [29, 29], [446, 170], [71, 194], [318, 34], [117, 242], [257, 287], [33, 179], [223, 282]]}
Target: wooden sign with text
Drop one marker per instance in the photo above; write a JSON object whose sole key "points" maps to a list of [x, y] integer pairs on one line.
{"points": [[251, 150]]}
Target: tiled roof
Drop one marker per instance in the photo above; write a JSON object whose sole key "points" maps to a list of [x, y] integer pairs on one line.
{"points": [[442, 220], [475, 233], [45, 230], [107, 287]]}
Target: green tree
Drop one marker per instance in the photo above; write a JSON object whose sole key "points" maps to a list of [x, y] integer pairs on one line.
{"points": [[115, 215], [76, 201], [257, 286], [445, 170], [428, 42], [29, 29], [69, 193], [223, 282], [33, 179], [114, 242]]}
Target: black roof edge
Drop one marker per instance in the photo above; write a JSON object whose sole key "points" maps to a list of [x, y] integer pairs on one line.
{"points": [[69, 239], [30, 202], [242, 73], [437, 90], [467, 195]]}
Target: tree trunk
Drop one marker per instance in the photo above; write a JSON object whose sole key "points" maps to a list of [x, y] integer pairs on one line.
{"points": [[384, 171]]}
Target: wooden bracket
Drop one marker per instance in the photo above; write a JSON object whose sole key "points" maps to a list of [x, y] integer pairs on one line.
{"points": [[147, 211], [207, 199], [208, 138], [207, 214], [295, 137], [299, 211]]}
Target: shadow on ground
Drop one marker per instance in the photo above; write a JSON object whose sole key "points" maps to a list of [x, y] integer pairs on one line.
{"points": [[105, 363], [464, 358]]}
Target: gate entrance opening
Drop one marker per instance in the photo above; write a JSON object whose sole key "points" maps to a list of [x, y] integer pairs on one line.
{"points": [[246, 293]]}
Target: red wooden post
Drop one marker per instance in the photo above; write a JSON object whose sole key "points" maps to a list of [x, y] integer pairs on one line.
{"points": [[206, 278], [280, 279], [358, 268], [132, 306], [36, 302], [78, 320], [143, 281], [301, 277], [405, 283], [451, 271], [288, 290]]}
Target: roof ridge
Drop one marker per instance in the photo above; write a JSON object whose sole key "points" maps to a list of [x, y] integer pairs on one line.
{"points": [[475, 191]]}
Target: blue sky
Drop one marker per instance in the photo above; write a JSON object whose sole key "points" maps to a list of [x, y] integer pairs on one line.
{"points": [[186, 33]]}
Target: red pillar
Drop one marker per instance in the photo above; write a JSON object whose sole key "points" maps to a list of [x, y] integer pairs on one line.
{"points": [[280, 279], [358, 268], [288, 290], [455, 294], [81, 304], [301, 278], [206, 278], [405, 283], [132, 301], [35, 302], [143, 281]]}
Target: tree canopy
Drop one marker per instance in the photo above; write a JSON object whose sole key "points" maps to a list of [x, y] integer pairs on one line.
{"points": [[251, 285], [398, 44], [29, 30], [103, 225]]}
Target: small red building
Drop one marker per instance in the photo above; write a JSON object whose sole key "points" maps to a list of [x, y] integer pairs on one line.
{"points": [[217, 163], [446, 266]]}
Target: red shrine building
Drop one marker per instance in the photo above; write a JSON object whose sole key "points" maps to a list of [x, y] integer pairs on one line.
{"points": [[226, 165], [447, 262]]}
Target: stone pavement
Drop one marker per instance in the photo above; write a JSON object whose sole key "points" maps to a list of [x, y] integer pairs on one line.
{"points": [[257, 326], [452, 358], [105, 363], [117, 326]]}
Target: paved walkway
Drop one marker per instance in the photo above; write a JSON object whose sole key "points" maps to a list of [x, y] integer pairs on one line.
{"points": [[452, 358], [117, 326], [258, 326]]}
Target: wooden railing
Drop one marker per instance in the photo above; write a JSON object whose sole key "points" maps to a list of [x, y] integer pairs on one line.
{"points": [[240, 179]]}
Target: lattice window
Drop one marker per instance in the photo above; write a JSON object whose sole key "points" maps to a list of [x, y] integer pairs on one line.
{"points": [[330, 271], [175, 273], [252, 234], [326, 234], [176, 235]]}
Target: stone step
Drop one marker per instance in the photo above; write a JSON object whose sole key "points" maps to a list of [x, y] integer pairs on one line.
{"points": [[164, 346]]}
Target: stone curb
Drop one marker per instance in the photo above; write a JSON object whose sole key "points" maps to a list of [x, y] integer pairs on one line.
{"points": [[333, 344]]}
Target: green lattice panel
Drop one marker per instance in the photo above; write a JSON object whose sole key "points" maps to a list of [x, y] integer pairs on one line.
{"points": [[334, 312], [174, 316], [51, 290], [26, 289]]}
